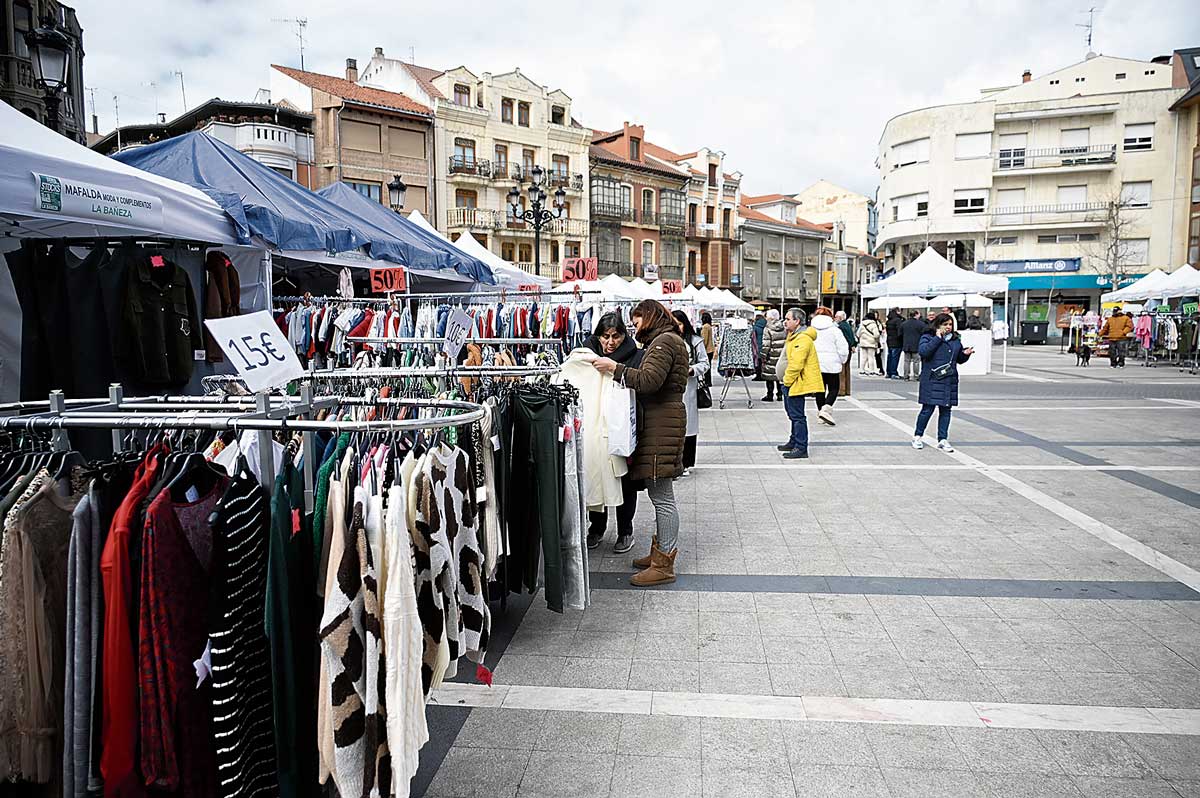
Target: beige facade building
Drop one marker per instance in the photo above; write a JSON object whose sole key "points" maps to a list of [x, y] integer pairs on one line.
{"points": [[1019, 182], [828, 203], [489, 132]]}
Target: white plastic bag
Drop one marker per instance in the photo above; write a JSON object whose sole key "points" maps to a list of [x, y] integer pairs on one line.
{"points": [[620, 415]]}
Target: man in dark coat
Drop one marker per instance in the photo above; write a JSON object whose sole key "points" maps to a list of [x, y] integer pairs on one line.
{"points": [[910, 340], [895, 342]]}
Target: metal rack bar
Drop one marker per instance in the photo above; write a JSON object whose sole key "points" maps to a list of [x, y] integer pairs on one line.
{"points": [[366, 339], [434, 371]]}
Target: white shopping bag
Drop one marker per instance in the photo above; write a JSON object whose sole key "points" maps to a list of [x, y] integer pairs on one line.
{"points": [[620, 414]]}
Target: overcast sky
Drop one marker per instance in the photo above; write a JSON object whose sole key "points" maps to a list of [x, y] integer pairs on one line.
{"points": [[790, 91]]}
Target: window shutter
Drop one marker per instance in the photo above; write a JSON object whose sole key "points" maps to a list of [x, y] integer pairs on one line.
{"points": [[1072, 195], [1136, 194], [972, 145]]}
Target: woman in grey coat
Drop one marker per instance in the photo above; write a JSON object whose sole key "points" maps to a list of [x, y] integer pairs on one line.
{"points": [[773, 340]]}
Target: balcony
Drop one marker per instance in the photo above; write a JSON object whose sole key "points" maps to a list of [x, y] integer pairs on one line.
{"points": [[503, 170], [703, 230], [622, 268], [473, 218], [774, 256], [569, 227], [752, 253], [461, 166], [1070, 214], [565, 180], [672, 222], [1056, 159], [613, 213], [670, 272], [647, 217]]}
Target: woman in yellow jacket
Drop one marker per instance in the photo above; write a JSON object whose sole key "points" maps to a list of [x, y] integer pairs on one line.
{"points": [[802, 376]]}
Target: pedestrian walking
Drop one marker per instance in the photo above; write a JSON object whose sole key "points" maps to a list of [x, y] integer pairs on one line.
{"points": [[910, 341], [869, 334], [942, 350], [801, 375], [1116, 330], [760, 324], [612, 340], [660, 382], [708, 335], [774, 337], [834, 352], [697, 371], [895, 343]]}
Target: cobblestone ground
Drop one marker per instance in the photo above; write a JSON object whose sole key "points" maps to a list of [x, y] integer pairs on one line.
{"points": [[1018, 618]]}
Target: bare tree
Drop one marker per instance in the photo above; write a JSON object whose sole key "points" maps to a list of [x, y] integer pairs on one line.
{"points": [[1112, 247]]}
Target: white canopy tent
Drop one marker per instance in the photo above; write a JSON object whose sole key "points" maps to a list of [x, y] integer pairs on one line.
{"points": [[960, 301], [507, 275], [1184, 281], [888, 302], [932, 274], [1142, 288]]}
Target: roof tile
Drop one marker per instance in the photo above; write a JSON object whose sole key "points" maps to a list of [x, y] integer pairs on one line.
{"points": [[352, 92]]}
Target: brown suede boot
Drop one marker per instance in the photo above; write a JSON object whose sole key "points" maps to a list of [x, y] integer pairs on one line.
{"points": [[644, 562], [660, 572]]}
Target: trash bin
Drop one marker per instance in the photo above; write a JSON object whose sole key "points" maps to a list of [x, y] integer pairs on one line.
{"points": [[1034, 332]]}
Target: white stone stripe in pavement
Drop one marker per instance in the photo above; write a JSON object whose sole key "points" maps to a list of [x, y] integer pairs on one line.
{"points": [[1186, 403], [900, 711], [941, 467], [1134, 548], [1050, 407], [1030, 377]]}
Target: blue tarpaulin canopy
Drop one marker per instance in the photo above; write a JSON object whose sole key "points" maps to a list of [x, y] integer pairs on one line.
{"points": [[350, 200], [266, 205]]}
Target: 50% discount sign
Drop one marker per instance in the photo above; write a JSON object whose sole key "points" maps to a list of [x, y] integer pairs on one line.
{"points": [[255, 347]]}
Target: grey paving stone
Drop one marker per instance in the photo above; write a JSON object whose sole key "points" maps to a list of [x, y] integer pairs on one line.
{"points": [[895, 681], [842, 603], [926, 747], [1186, 789], [817, 742], [864, 652], [603, 620], [669, 600], [904, 782], [486, 727], [553, 774], [1171, 756], [732, 648], [851, 624], [760, 741], [1003, 751], [955, 684], [734, 678], [584, 732], [789, 624], [665, 645], [611, 674], [800, 679], [1149, 787], [840, 780], [1027, 785], [715, 601], [656, 777], [604, 645], [959, 607], [664, 621], [668, 676], [479, 773], [813, 650], [529, 669], [661, 736], [1082, 753], [793, 603]]}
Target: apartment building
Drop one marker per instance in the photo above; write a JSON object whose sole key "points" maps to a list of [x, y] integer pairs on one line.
{"points": [[780, 255], [1185, 74], [825, 202], [277, 136], [1019, 182], [362, 136], [490, 131], [638, 207]]}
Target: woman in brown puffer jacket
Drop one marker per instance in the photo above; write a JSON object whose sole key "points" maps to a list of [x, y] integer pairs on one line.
{"points": [[660, 382]]}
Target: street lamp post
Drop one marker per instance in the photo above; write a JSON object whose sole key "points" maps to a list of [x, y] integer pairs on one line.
{"points": [[538, 214], [50, 53], [396, 191]]}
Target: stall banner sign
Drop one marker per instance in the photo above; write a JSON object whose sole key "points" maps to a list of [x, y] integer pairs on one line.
{"points": [[61, 195], [587, 269], [1064, 314], [257, 349], [672, 286], [532, 288], [1190, 307], [829, 282], [388, 281], [650, 272], [1037, 313], [458, 327]]}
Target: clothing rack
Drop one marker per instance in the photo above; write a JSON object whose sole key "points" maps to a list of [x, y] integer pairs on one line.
{"points": [[438, 341], [501, 293], [379, 300], [436, 371]]}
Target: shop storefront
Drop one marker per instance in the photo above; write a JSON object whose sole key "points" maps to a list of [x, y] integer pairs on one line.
{"points": [[1045, 299]]}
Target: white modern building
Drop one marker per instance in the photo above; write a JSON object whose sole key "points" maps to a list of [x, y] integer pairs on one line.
{"points": [[490, 131], [1018, 182]]}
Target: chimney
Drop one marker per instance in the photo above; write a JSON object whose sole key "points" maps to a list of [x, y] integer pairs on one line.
{"points": [[379, 52], [1026, 76], [352, 69], [162, 118]]}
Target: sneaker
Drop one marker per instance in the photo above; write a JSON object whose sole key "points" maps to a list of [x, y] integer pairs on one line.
{"points": [[784, 447], [945, 446], [593, 541], [796, 454], [826, 415], [917, 443], [686, 472], [624, 543]]}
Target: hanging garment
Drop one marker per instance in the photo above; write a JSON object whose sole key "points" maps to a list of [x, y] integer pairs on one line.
{"points": [[603, 471], [160, 331], [1143, 330], [241, 664], [222, 297], [574, 547], [82, 640], [431, 561]]}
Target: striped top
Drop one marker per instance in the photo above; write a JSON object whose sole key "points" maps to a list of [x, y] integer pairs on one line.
{"points": [[241, 665]]}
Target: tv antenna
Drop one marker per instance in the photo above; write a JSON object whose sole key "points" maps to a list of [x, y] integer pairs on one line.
{"points": [[182, 90], [1090, 26], [301, 24]]}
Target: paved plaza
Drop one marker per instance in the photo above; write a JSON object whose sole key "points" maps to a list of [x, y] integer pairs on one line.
{"points": [[1017, 618]]}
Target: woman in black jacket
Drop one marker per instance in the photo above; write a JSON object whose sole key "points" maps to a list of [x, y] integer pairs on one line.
{"points": [[895, 341], [612, 340]]}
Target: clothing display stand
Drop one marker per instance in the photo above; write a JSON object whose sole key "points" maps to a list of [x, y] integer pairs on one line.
{"points": [[725, 391]]}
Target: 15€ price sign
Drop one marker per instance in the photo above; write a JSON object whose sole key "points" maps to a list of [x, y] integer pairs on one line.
{"points": [[458, 327], [255, 347]]}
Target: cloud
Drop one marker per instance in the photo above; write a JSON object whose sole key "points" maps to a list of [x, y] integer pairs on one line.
{"points": [[790, 91]]}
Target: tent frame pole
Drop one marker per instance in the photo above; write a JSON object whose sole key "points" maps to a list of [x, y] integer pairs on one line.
{"points": [[1008, 331]]}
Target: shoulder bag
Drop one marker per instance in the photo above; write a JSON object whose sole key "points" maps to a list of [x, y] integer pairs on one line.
{"points": [[946, 369]]}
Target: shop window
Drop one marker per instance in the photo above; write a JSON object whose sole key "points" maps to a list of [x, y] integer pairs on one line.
{"points": [[506, 110]]}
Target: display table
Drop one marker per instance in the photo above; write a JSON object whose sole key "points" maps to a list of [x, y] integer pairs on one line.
{"points": [[981, 361]]}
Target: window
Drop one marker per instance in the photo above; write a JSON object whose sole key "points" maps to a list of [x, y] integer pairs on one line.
{"points": [[712, 174], [910, 152], [506, 110], [922, 208], [970, 200], [895, 213], [360, 136], [572, 249], [647, 252], [465, 199], [1080, 80], [692, 214], [1047, 239], [558, 115], [672, 206], [1010, 199], [527, 159], [1136, 195], [626, 198], [1139, 137], [648, 201], [554, 252], [972, 145], [464, 152], [371, 190], [1087, 237], [501, 160], [1071, 195], [1196, 180], [1149, 72], [1002, 241], [523, 114], [415, 199], [1135, 251], [462, 94], [561, 164], [910, 206], [508, 251], [635, 149], [1073, 141], [1194, 241], [286, 171], [566, 214], [1012, 151], [526, 252], [407, 143], [1054, 82], [22, 22], [1066, 238], [1120, 76], [710, 215]]}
